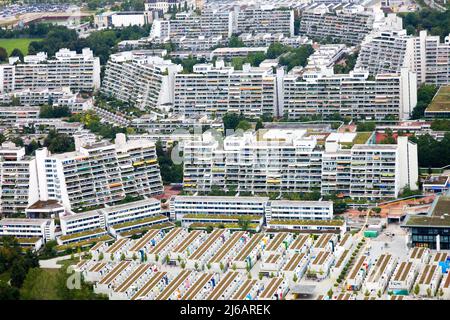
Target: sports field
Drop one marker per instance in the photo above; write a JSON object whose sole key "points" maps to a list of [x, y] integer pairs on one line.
{"points": [[21, 44]]}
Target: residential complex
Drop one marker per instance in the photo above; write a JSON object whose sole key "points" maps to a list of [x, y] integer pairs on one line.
{"points": [[18, 177], [137, 76], [432, 59], [100, 173], [345, 23], [78, 71], [289, 160], [263, 20], [391, 50], [387, 52], [356, 94], [216, 90]]}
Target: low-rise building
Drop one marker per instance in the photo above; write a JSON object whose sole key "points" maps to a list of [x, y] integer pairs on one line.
{"points": [[29, 232], [403, 279]]}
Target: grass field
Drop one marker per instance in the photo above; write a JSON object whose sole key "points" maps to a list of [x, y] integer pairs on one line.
{"points": [[21, 44]]}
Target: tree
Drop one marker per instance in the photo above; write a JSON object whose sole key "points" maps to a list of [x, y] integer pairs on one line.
{"points": [[244, 125], [276, 49], [365, 126], [59, 142], [17, 53], [18, 273], [259, 125], [231, 120], [295, 278], [244, 223], [7, 292], [134, 257], [3, 55], [330, 293], [47, 111], [209, 228], [122, 257], [49, 250], [235, 42], [425, 94], [417, 289], [101, 256], [429, 292]]}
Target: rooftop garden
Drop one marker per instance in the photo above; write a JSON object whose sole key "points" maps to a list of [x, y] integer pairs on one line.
{"points": [[30, 240], [334, 222], [222, 216], [84, 243], [140, 221], [441, 102], [197, 225], [144, 229], [362, 137], [82, 234]]}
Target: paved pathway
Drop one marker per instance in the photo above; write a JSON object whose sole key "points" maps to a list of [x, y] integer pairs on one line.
{"points": [[53, 263]]}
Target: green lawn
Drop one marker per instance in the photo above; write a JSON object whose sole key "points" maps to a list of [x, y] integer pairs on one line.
{"points": [[21, 44]]}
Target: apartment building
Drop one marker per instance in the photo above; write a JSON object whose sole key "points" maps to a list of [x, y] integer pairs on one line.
{"points": [[266, 39], [355, 94], [18, 180], [299, 210], [289, 160], [9, 116], [264, 19], [432, 59], [209, 23], [82, 222], [78, 71], [213, 205], [216, 90], [28, 232], [7, 78], [230, 53], [198, 44], [345, 23], [35, 97], [386, 51], [153, 123], [140, 78], [100, 173]]}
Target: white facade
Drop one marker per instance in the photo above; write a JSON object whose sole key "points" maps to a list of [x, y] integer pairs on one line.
{"points": [[181, 205], [28, 228], [287, 160], [386, 52], [355, 94], [145, 80], [81, 222], [259, 20], [216, 90], [19, 185], [79, 72], [432, 59], [299, 210], [100, 173], [347, 23]]}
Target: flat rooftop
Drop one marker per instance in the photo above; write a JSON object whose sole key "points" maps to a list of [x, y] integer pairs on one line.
{"points": [[439, 216], [49, 204], [436, 180]]}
